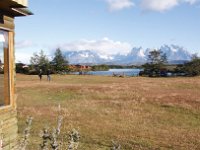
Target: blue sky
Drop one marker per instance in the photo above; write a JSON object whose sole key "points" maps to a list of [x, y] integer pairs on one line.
{"points": [[107, 26]]}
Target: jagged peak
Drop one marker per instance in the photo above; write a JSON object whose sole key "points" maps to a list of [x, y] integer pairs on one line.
{"points": [[136, 54]]}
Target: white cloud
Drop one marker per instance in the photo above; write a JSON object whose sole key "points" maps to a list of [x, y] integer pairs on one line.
{"points": [[163, 5], [158, 5], [115, 5], [24, 44], [22, 57], [148, 5], [102, 46], [191, 1]]}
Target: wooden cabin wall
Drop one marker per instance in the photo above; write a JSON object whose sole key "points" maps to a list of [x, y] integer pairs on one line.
{"points": [[8, 114], [7, 23], [8, 128]]}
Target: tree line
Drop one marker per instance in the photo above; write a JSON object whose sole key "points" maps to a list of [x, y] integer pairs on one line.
{"points": [[157, 65], [41, 61]]}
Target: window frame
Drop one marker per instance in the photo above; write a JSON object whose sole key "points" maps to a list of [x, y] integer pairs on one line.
{"points": [[9, 71]]}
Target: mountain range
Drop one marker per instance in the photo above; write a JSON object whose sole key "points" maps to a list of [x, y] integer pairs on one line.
{"points": [[175, 55]]}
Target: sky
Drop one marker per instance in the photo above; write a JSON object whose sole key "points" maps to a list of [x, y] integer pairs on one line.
{"points": [[107, 26]]}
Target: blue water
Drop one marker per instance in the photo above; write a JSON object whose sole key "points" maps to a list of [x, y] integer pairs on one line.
{"points": [[110, 72]]}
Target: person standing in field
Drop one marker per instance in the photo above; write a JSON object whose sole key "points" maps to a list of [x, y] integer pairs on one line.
{"points": [[48, 75], [40, 74]]}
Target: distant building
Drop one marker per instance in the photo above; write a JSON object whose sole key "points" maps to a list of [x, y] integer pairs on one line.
{"points": [[80, 67]]}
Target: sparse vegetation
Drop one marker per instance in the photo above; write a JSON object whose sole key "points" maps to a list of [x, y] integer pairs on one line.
{"points": [[24, 140]]}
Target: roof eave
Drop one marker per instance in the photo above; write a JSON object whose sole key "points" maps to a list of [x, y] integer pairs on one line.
{"points": [[13, 8], [21, 12]]}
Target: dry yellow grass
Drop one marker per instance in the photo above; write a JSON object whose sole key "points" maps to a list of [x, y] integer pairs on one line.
{"points": [[139, 113]]}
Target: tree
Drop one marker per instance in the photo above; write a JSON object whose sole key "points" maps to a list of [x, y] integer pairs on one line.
{"points": [[155, 65], [59, 61], [194, 56], [192, 68], [102, 67], [157, 57], [21, 68], [40, 60]]}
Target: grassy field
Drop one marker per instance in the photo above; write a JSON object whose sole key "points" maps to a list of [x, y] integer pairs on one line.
{"points": [[139, 113]]}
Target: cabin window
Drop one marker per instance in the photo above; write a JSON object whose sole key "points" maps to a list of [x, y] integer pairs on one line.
{"points": [[4, 68]]}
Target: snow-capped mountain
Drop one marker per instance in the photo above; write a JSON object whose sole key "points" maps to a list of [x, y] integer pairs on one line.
{"points": [[136, 56], [175, 52], [85, 56]]}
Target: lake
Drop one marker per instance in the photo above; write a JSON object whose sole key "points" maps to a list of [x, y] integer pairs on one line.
{"points": [[110, 72]]}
